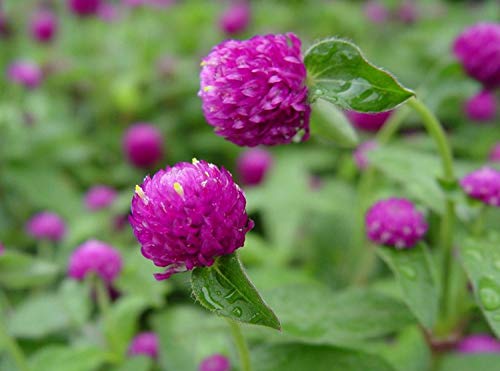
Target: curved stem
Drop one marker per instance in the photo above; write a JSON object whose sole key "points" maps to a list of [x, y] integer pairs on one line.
{"points": [[241, 345], [13, 348]]}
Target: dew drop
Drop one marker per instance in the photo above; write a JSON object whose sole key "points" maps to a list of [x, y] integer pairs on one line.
{"points": [[237, 311], [489, 294], [408, 272]]}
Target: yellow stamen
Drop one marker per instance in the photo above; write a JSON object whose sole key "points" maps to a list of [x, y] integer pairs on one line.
{"points": [[178, 188], [208, 88], [195, 161]]}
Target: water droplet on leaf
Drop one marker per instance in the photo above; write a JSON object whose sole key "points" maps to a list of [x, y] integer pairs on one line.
{"points": [[237, 311]]}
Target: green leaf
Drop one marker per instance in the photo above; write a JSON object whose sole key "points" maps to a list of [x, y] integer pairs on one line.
{"points": [[338, 72], [18, 271], [225, 289], [75, 300], [300, 357], [330, 123], [136, 363], [60, 358], [468, 362], [417, 278], [481, 260]]}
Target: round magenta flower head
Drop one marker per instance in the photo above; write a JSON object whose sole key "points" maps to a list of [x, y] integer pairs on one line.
{"points": [[478, 49], [143, 145], [481, 107], [46, 226], [216, 362], [236, 18], [253, 165], [483, 185], [187, 215], [146, 344], [83, 8], [99, 197], [495, 153], [25, 73], [479, 343], [395, 222], [95, 257], [368, 121], [360, 153], [376, 12], [108, 12], [43, 26], [407, 12], [253, 91]]}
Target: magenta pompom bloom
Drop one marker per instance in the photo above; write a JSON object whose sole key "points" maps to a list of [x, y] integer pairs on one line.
{"points": [[99, 197], [395, 222], [253, 165], [407, 12], [254, 91], [25, 73], [236, 18], [376, 12], [495, 153], [216, 362], [95, 257], [481, 107], [43, 26], [187, 215], [360, 154], [483, 185], [478, 49], [479, 343], [146, 344], [46, 226], [83, 8], [368, 121], [143, 145]]}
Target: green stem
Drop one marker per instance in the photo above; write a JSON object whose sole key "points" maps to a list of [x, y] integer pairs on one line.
{"points": [[13, 348], [102, 295], [241, 345]]}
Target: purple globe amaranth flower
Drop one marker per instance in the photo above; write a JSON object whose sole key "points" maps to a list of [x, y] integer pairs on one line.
{"points": [[143, 145], [478, 49], [187, 215], [361, 152], [407, 12], [495, 153], [99, 197], [481, 107], [46, 226], [95, 257], [253, 91], [483, 185], [478, 343], [146, 344], [368, 121], [25, 73], [43, 26], [84, 8], [375, 12], [108, 12], [395, 222], [236, 18], [216, 362], [253, 165]]}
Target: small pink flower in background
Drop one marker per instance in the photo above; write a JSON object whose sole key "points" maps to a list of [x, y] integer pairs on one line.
{"points": [[478, 49], [25, 73], [253, 165], [407, 12], [495, 153], [483, 185], [84, 8], [95, 257], [235, 18], [216, 362], [146, 344], [44, 25], [143, 145], [99, 197], [108, 12], [253, 91], [46, 226], [376, 12], [481, 107], [395, 222], [188, 215], [360, 154], [479, 343], [368, 121]]}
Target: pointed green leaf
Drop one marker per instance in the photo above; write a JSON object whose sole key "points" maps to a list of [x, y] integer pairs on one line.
{"points": [[417, 278], [338, 72], [18, 271], [225, 289], [330, 123]]}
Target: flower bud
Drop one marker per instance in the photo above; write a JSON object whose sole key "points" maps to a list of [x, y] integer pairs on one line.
{"points": [[46, 226], [146, 344], [143, 145], [483, 185], [253, 165], [481, 107]]}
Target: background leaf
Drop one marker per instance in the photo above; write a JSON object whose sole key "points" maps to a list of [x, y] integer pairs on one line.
{"points": [[18, 270]]}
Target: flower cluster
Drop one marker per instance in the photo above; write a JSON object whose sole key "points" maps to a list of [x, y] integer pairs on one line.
{"points": [[143, 145], [43, 26], [215, 362], [479, 343], [25, 73], [146, 344], [481, 107], [187, 215], [368, 121], [99, 197], [483, 185], [46, 226], [236, 18], [253, 165]]}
